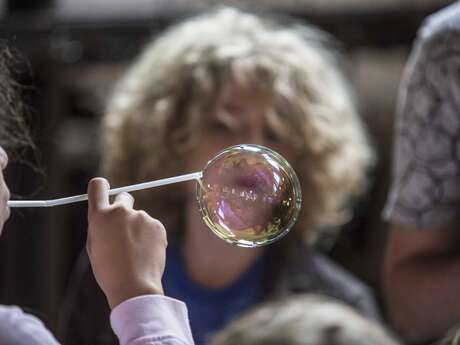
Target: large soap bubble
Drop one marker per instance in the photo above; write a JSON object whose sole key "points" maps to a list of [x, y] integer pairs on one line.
{"points": [[249, 195]]}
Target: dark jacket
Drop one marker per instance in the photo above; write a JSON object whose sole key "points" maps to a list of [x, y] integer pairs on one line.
{"points": [[85, 317]]}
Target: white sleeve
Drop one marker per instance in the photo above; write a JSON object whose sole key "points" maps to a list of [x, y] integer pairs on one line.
{"points": [[151, 320], [19, 328]]}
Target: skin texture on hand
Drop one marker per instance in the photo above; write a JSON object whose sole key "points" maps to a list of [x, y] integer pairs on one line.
{"points": [[126, 247]]}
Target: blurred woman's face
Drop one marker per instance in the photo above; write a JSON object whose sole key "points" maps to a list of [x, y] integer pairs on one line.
{"points": [[4, 192], [240, 118]]}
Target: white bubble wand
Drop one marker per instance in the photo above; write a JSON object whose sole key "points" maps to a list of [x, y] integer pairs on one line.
{"points": [[77, 198]]}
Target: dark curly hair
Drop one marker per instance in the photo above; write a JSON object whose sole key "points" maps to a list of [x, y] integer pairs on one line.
{"points": [[14, 131]]}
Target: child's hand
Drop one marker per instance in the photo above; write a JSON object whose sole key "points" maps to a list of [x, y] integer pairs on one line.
{"points": [[126, 247]]}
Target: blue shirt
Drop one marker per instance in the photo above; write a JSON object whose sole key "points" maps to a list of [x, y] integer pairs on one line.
{"points": [[210, 309]]}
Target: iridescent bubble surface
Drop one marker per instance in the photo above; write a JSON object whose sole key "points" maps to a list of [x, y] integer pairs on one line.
{"points": [[249, 195]]}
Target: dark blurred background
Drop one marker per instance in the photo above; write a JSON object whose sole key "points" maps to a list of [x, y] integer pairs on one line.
{"points": [[78, 48]]}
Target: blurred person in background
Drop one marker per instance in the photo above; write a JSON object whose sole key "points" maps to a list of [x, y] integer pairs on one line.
{"points": [[422, 263], [216, 80]]}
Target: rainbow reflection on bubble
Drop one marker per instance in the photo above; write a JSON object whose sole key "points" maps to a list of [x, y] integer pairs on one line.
{"points": [[249, 195]]}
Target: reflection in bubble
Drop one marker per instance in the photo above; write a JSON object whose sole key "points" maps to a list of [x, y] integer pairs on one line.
{"points": [[249, 195]]}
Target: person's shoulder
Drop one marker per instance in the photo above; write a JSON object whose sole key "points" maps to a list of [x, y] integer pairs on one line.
{"points": [[17, 327], [343, 285], [335, 275], [307, 271]]}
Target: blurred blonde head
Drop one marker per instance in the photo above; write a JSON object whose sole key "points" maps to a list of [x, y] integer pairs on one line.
{"points": [[303, 320], [158, 109]]}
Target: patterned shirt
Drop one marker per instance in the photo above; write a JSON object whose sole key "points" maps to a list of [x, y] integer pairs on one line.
{"points": [[425, 191]]}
